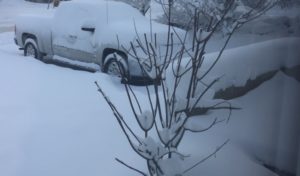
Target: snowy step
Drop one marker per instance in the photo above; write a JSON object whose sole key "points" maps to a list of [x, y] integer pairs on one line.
{"points": [[75, 63]]}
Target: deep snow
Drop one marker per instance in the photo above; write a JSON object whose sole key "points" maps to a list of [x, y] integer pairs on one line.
{"points": [[53, 121], [251, 61], [10, 9]]}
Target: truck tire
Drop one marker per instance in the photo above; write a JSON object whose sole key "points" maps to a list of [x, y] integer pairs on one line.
{"points": [[31, 49], [115, 65]]}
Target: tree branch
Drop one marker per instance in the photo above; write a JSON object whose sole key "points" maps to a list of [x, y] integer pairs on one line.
{"points": [[130, 167], [206, 158]]}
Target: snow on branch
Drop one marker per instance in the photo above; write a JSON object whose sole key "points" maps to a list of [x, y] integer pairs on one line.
{"points": [[183, 88]]}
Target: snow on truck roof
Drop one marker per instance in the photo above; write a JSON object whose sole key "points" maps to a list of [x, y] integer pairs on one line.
{"points": [[111, 8]]}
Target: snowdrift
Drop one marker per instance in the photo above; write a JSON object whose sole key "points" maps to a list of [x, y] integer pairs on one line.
{"points": [[236, 66], [54, 123], [265, 132]]}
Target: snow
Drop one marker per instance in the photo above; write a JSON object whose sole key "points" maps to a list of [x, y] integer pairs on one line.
{"points": [[248, 61], [146, 120], [104, 13], [267, 129], [251, 61], [10, 9], [90, 66], [53, 121]]}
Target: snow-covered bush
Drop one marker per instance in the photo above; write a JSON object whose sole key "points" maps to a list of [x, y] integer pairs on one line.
{"points": [[204, 13], [182, 93]]}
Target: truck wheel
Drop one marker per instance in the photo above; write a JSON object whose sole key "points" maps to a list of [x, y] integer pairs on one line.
{"points": [[31, 49], [115, 66]]}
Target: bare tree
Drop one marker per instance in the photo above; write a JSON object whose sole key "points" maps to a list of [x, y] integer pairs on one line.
{"points": [[180, 94]]}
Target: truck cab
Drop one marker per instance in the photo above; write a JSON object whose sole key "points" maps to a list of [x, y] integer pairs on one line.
{"points": [[88, 33]]}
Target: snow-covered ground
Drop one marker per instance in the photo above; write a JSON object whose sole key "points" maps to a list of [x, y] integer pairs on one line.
{"points": [[9, 9], [53, 121], [266, 129]]}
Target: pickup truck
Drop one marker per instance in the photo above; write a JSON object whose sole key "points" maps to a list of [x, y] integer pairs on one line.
{"points": [[95, 34]]}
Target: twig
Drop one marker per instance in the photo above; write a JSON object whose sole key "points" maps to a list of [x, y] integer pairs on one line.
{"points": [[117, 115], [205, 129], [206, 158], [130, 167]]}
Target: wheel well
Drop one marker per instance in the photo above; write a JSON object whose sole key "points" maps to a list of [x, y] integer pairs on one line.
{"points": [[108, 51], [33, 37], [27, 35]]}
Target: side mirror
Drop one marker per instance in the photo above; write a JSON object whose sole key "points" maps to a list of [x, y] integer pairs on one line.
{"points": [[88, 26]]}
